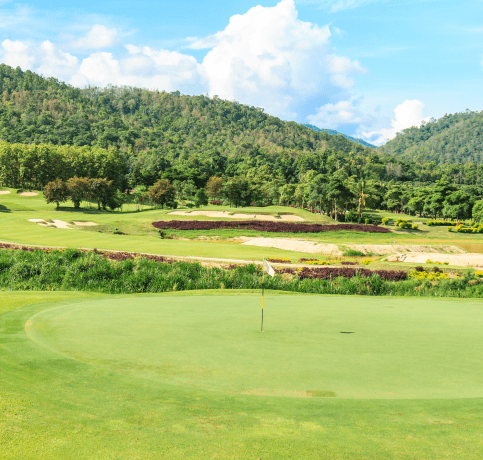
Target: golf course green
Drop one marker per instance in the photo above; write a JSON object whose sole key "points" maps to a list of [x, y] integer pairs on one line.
{"points": [[316, 346], [189, 375]]}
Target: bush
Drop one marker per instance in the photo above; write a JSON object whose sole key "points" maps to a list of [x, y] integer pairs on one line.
{"points": [[265, 226], [353, 253], [385, 220], [352, 216]]}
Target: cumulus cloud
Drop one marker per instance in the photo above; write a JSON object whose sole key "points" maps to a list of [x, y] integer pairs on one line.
{"points": [[98, 37], [144, 67], [332, 116], [407, 114], [16, 53], [268, 57]]}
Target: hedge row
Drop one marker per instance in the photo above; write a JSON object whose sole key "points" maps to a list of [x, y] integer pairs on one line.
{"points": [[265, 226]]}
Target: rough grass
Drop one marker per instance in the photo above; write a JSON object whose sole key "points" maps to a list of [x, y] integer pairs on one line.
{"points": [[54, 407]]}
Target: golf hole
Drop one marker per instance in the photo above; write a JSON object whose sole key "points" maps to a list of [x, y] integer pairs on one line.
{"points": [[347, 332]]}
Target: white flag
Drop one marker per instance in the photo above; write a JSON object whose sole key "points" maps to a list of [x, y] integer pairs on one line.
{"points": [[268, 268]]}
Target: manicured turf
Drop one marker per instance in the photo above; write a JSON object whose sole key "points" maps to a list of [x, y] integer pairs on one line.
{"points": [[53, 406], [347, 347]]}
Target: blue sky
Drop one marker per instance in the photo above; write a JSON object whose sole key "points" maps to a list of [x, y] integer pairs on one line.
{"points": [[368, 68]]}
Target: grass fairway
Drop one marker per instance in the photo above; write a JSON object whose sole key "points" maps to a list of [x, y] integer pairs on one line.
{"points": [[190, 376]]}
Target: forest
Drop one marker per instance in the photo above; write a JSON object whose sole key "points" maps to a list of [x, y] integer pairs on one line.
{"points": [[135, 138]]}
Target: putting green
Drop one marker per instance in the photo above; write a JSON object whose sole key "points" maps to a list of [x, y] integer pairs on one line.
{"points": [[313, 346]]}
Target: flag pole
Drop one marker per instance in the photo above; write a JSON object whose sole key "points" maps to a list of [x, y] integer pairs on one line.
{"points": [[263, 289]]}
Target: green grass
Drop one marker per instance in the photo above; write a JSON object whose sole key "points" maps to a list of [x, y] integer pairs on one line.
{"points": [[168, 390], [142, 237]]}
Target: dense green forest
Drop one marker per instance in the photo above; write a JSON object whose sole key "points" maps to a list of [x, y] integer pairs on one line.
{"points": [[333, 132], [135, 137], [455, 138]]}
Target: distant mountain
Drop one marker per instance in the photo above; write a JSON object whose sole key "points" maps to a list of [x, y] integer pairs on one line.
{"points": [[454, 138], [333, 132]]}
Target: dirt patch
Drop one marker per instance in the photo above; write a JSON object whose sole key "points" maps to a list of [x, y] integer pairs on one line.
{"points": [[84, 224], [310, 247], [27, 194], [220, 214], [462, 260], [4, 192]]}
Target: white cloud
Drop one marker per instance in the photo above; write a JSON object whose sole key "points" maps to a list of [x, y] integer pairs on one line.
{"points": [[407, 114], [16, 53], [98, 37], [143, 67], [332, 116], [267, 57]]}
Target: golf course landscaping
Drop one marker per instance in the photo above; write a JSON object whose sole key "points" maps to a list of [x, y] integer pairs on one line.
{"points": [[190, 375], [114, 346]]}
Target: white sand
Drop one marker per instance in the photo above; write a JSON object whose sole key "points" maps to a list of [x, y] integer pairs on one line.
{"points": [[4, 192], [462, 260], [27, 194], [283, 217], [310, 247], [36, 220], [84, 224]]}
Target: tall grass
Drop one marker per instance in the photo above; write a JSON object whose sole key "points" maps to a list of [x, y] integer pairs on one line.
{"points": [[75, 270]]}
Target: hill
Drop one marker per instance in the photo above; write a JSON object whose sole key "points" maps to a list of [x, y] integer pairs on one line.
{"points": [[455, 138], [333, 132], [34, 109]]}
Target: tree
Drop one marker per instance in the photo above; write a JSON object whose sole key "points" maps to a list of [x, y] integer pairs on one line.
{"points": [[79, 189], [458, 205], [213, 186], [478, 211], [161, 193], [338, 192], [56, 191], [102, 190], [200, 198], [237, 191], [363, 191]]}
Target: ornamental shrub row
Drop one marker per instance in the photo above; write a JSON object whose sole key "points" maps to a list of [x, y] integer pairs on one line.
{"points": [[265, 226]]}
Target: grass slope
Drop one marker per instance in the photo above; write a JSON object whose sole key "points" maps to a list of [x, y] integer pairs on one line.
{"points": [[57, 407]]}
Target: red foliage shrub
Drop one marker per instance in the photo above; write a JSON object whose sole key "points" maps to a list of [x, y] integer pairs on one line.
{"points": [[326, 273], [265, 226]]}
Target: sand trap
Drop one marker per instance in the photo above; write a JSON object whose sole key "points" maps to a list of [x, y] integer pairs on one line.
{"points": [[4, 192], [55, 223], [283, 217], [310, 247], [462, 260], [84, 224], [27, 193], [292, 244]]}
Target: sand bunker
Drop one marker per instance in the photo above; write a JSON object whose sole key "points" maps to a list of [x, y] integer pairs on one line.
{"points": [[4, 192], [27, 193], [283, 217], [462, 260], [84, 224], [59, 223], [311, 247]]}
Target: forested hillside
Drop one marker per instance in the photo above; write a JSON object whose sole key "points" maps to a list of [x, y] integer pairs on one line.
{"points": [[333, 132], [456, 138]]}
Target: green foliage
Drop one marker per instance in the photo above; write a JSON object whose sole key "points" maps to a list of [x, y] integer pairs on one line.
{"points": [[56, 192], [161, 193]]}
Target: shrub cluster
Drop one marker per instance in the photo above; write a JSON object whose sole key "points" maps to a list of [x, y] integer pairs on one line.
{"points": [[462, 228], [442, 223], [265, 226], [346, 272], [70, 269], [280, 260]]}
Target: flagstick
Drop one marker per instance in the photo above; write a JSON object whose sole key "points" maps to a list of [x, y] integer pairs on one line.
{"points": [[263, 289]]}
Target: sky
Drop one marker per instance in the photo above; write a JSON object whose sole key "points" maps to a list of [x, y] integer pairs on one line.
{"points": [[367, 68]]}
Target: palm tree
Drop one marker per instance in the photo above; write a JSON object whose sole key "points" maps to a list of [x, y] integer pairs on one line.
{"points": [[363, 190]]}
